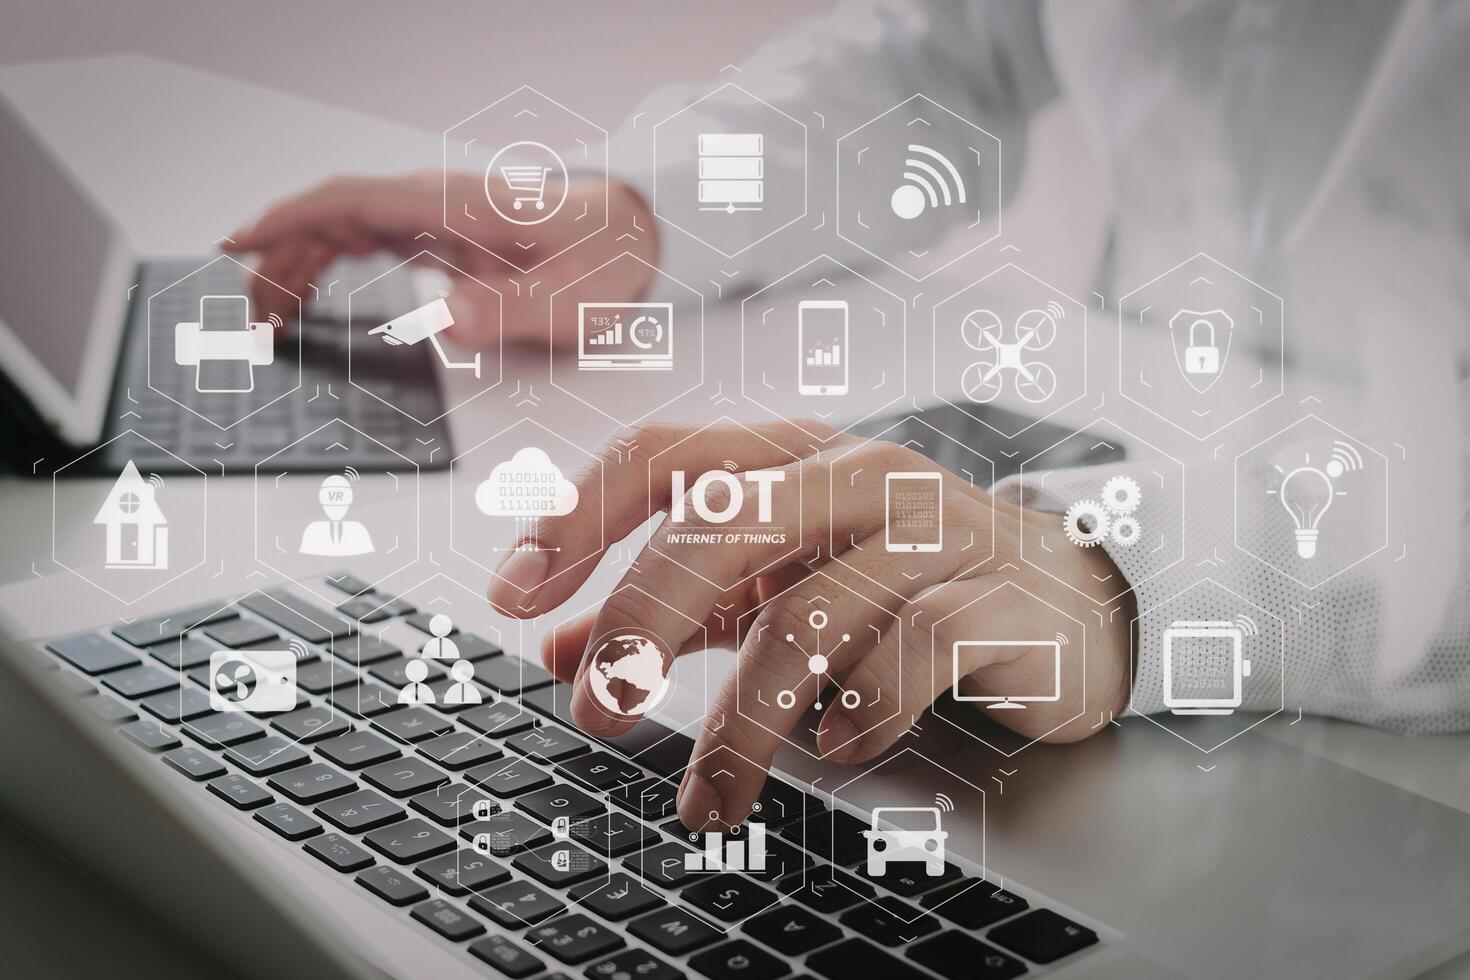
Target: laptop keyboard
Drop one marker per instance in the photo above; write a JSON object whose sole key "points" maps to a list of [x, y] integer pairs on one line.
{"points": [[392, 797], [324, 394]]}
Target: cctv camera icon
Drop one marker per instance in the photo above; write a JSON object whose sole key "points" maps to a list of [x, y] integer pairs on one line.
{"points": [[425, 322]]}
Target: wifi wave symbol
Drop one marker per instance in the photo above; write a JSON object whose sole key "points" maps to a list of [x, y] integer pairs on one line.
{"points": [[930, 179], [1062, 639], [1247, 625], [155, 481], [351, 473], [730, 466], [1345, 459], [298, 649], [943, 803], [276, 321]]}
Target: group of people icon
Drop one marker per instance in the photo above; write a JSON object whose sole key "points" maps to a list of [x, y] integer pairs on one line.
{"points": [[439, 647]]}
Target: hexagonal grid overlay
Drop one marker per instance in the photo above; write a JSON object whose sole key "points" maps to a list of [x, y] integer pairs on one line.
{"points": [[1009, 340], [1106, 510], [1201, 346], [806, 621], [231, 364], [909, 794], [1311, 501], [713, 184], [911, 174], [324, 530], [377, 367], [616, 373], [131, 547], [829, 335], [969, 624], [486, 524], [1210, 665], [517, 208], [922, 451], [770, 482]]}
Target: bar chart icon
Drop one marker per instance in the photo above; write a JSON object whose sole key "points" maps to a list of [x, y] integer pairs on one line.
{"points": [[723, 853]]}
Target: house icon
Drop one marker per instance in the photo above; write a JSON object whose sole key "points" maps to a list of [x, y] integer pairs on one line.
{"points": [[137, 531]]}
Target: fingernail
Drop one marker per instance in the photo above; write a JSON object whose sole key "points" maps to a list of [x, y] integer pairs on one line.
{"points": [[840, 735], [520, 575], [699, 804]]}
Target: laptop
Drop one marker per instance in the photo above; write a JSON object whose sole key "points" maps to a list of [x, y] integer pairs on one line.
{"points": [[78, 365]]}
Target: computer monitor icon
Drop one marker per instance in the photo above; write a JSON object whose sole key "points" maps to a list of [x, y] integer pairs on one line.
{"points": [[625, 336], [1013, 699]]}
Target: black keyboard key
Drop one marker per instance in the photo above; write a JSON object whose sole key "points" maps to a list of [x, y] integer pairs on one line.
{"points": [[216, 731], [325, 676], [956, 956], [835, 835], [149, 632], [339, 852], [674, 931], [239, 632], [150, 736], [312, 784], [288, 821], [663, 864], [364, 609], [193, 763], [1042, 936], [460, 750], [394, 672], [617, 898], [559, 800], [574, 938], [392, 885], [511, 675], [503, 779], [463, 871], [404, 777], [499, 720], [266, 755], [358, 749], [447, 920], [651, 799], [506, 833], [656, 748], [311, 724], [242, 793], [173, 707], [411, 724], [475, 648], [889, 921], [449, 805], [792, 930], [71, 683], [410, 841], [738, 959], [92, 653], [612, 834], [728, 897], [183, 654], [363, 700], [781, 803], [348, 583], [547, 745], [510, 959], [560, 865], [859, 958], [140, 682], [910, 878], [360, 811], [826, 890], [110, 709], [600, 770], [517, 904], [973, 903], [310, 622], [362, 650]]}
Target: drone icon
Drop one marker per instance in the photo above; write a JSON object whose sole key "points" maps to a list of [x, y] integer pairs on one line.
{"points": [[1034, 331]]}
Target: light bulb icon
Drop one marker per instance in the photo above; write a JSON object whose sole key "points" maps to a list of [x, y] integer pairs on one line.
{"points": [[1307, 493]]}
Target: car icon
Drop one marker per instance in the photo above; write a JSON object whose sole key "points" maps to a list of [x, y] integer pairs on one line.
{"points": [[916, 836]]}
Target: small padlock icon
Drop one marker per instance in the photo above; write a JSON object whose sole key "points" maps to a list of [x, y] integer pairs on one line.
{"points": [[1201, 358]]}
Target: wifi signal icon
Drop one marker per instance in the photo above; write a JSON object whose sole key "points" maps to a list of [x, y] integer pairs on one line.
{"points": [[351, 473], [276, 321], [155, 481], [1345, 459], [930, 180], [943, 803], [730, 466]]}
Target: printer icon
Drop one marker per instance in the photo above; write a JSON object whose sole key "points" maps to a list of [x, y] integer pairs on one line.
{"points": [[230, 337]]}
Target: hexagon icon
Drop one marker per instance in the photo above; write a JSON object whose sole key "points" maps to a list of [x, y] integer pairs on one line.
{"points": [[821, 626], [1208, 665], [147, 530], [1201, 346], [211, 354], [314, 524], [939, 516], [1097, 495], [910, 176], [825, 335], [632, 358], [500, 487], [1311, 501], [714, 184], [752, 504], [1009, 350], [508, 169], [381, 343]]}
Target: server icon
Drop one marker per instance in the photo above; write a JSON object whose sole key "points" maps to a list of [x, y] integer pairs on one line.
{"points": [[731, 172]]}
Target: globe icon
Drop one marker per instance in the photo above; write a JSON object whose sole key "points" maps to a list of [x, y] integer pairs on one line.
{"points": [[628, 674]]}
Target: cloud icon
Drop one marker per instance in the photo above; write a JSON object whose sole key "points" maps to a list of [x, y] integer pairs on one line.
{"points": [[529, 484]]}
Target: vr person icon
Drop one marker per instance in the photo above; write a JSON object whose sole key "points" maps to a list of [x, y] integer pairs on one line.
{"points": [[336, 537]]}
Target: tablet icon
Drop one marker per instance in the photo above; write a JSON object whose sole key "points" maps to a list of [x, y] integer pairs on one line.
{"points": [[913, 512]]}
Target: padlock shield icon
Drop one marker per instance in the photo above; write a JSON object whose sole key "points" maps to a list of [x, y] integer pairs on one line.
{"points": [[1201, 341]]}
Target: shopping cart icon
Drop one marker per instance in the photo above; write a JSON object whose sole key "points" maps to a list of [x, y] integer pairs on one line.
{"points": [[528, 184]]}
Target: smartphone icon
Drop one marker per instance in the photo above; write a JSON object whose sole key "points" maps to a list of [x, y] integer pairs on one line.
{"points": [[913, 508], [822, 357]]}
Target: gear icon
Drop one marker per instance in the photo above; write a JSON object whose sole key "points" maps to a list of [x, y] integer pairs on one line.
{"points": [[1126, 531], [1122, 494], [1086, 523]]}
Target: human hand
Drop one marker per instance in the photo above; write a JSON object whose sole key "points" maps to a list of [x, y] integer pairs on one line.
{"points": [[912, 664], [296, 239]]}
